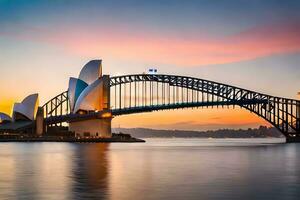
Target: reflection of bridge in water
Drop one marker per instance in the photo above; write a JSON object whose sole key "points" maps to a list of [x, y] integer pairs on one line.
{"points": [[139, 93]]}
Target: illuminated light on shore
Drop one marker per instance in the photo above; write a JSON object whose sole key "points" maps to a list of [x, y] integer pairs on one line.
{"points": [[106, 115]]}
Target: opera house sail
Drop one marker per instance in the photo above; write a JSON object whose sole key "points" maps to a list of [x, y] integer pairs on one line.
{"points": [[27, 109], [4, 118], [76, 86], [91, 71]]}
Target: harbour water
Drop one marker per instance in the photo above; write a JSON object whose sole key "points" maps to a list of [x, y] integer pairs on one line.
{"points": [[158, 169]]}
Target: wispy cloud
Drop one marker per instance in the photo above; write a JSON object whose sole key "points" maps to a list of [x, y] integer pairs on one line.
{"points": [[182, 50]]}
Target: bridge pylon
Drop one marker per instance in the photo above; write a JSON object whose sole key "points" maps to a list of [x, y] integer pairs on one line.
{"points": [[99, 126]]}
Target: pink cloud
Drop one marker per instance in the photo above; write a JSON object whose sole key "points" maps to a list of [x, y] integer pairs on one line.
{"points": [[139, 45]]}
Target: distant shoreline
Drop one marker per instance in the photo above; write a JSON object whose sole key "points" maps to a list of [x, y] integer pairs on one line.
{"points": [[260, 132], [121, 138]]}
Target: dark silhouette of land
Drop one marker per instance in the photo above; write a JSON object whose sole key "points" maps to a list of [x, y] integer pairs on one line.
{"points": [[260, 132]]}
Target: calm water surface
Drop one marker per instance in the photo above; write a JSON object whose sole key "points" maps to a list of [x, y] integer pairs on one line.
{"points": [[158, 169]]}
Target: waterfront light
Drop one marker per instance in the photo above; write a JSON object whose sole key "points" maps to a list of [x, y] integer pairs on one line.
{"points": [[106, 115]]}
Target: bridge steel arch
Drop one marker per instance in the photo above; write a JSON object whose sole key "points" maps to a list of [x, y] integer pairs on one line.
{"points": [[150, 92], [57, 107], [282, 113]]}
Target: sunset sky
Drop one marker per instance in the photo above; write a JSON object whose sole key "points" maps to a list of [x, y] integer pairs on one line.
{"points": [[252, 44]]}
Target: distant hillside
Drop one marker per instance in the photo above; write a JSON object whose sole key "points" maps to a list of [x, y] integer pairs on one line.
{"points": [[261, 132]]}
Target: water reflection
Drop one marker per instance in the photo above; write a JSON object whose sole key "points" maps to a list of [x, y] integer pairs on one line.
{"points": [[159, 169], [194, 169], [34, 171], [53, 171], [90, 171]]}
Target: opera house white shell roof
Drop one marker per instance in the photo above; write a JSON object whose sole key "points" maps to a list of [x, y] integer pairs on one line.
{"points": [[91, 71], [4, 118], [27, 109], [85, 93], [90, 98], [76, 86]]}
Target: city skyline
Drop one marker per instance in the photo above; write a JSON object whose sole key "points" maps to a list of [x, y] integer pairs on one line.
{"points": [[254, 45]]}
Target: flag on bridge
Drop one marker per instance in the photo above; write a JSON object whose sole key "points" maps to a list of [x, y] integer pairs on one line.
{"points": [[152, 71]]}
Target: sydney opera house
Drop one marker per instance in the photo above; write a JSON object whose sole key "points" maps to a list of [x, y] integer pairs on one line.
{"points": [[23, 114], [87, 93]]}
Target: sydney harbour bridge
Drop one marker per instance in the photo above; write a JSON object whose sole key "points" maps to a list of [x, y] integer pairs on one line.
{"points": [[93, 100], [137, 93]]}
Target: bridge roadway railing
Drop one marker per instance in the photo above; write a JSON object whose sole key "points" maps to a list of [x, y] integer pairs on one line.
{"points": [[149, 92]]}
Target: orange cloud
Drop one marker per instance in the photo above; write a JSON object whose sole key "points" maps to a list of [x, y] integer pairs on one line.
{"points": [[138, 45]]}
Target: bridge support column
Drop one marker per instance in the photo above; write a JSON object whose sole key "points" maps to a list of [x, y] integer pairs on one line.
{"points": [[295, 137], [92, 128], [39, 126]]}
